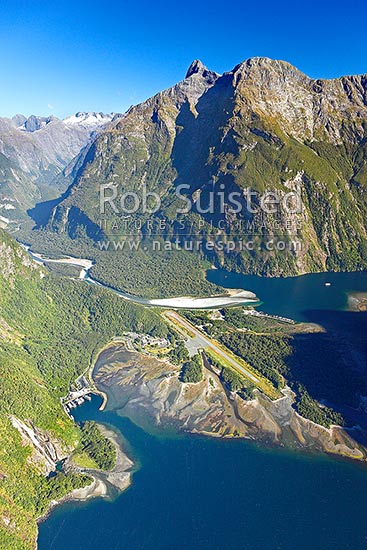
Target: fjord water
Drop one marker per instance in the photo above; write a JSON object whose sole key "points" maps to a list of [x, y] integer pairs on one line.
{"points": [[196, 493], [205, 494], [296, 297]]}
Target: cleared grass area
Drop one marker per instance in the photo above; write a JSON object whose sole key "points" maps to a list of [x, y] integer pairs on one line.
{"points": [[158, 351], [82, 460], [263, 383], [183, 330]]}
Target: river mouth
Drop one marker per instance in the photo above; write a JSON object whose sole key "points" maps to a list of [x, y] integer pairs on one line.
{"points": [[289, 297], [298, 297], [234, 297]]}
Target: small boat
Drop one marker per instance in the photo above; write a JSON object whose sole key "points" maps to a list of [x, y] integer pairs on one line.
{"points": [[327, 284]]}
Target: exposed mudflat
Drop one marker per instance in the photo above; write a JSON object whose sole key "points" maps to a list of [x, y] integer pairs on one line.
{"points": [[149, 391]]}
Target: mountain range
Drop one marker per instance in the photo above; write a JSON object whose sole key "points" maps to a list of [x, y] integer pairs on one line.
{"points": [[263, 126], [34, 152]]}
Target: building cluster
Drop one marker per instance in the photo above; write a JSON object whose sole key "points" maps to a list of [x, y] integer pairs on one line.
{"points": [[134, 339], [256, 313], [76, 398]]}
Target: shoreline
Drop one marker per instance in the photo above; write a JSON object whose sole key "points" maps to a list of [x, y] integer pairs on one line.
{"points": [[120, 477], [357, 301], [104, 482], [233, 297], [89, 372]]}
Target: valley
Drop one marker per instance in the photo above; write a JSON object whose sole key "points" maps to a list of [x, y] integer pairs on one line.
{"points": [[53, 327]]}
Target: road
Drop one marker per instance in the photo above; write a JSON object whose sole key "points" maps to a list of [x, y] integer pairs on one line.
{"points": [[208, 343]]}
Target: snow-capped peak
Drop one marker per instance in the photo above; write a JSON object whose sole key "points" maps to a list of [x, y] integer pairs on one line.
{"points": [[88, 119]]}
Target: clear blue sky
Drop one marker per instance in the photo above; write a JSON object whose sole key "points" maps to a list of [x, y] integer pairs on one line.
{"points": [[62, 57]]}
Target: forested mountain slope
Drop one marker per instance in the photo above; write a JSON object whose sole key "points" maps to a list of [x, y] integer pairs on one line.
{"points": [[50, 329]]}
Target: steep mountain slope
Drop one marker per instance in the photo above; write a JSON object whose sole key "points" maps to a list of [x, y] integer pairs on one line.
{"points": [[17, 191], [264, 126], [37, 149]]}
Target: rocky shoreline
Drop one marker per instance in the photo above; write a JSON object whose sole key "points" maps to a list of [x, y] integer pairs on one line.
{"points": [[357, 301], [105, 484]]}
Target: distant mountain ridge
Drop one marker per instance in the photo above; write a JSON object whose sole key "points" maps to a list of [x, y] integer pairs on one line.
{"points": [[34, 152], [264, 125]]}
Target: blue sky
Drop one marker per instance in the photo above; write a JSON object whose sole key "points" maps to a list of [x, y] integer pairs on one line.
{"points": [[63, 57]]}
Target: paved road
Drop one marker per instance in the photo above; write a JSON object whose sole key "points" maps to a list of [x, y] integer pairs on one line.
{"points": [[208, 343]]}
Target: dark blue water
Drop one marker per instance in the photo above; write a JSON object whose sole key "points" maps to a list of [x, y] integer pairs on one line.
{"points": [[196, 493], [293, 296], [203, 494]]}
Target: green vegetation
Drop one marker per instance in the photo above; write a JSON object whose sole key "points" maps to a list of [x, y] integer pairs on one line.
{"points": [[140, 271], [232, 379], [266, 354], [309, 408], [312, 364], [260, 151], [98, 448], [192, 371], [227, 358], [179, 353], [236, 319], [57, 487], [153, 274], [50, 330]]}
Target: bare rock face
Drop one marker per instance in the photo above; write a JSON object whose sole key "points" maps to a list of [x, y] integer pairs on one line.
{"points": [[34, 123], [45, 451], [197, 68], [15, 262], [44, 143], [149, 391], [307, 109]]}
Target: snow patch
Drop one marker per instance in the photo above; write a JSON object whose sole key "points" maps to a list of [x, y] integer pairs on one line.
{"points": [[87, 119]]}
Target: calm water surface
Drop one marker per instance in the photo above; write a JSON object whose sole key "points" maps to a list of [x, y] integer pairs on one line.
{"points": [[295, 297]]}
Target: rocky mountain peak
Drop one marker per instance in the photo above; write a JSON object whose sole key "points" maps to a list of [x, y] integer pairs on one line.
{"points": [[34, 123], [262, 123], [34, 151], [267, 69], [89, 118], [198, 68], [18, 119]]}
